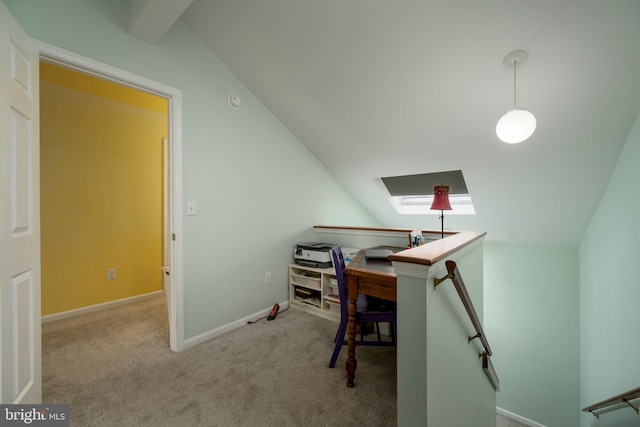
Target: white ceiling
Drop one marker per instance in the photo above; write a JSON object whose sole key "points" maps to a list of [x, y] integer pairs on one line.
{"points": [[150, 19], [379, 88]]}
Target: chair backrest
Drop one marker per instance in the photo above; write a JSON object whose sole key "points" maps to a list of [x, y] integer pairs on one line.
{"points": [[341, 276]]}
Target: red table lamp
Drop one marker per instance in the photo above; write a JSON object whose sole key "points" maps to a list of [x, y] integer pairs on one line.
{"points": [[441, 202]]}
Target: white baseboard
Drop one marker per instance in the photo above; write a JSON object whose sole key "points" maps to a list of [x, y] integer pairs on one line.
{"points": [[97, 307], [206, 336], [518, 418]]}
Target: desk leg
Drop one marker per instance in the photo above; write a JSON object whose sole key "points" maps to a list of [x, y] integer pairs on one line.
{"points": [[352, 363]]}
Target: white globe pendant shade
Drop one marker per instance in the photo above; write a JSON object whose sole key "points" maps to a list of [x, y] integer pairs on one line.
{"points": [[516, 126]]}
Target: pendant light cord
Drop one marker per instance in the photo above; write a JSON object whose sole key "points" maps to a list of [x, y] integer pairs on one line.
{"points": [[515, 63]]}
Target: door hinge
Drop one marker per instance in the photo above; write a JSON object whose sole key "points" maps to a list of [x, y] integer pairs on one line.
{"points": [[173, 237]]}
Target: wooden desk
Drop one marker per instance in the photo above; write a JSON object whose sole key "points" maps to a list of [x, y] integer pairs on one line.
{"points": [[370, 277]]}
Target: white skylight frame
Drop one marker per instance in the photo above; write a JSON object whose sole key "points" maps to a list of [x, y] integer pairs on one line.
{"points": [[407, 193], [421, 204]]}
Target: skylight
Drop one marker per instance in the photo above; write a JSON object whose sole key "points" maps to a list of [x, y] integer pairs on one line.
{"points": [[413, 194], [419, 205]]}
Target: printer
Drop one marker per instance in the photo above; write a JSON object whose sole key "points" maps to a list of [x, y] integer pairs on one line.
{"points": [[313, 254]]}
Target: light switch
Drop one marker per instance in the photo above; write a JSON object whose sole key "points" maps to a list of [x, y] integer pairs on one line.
{"points": [[191, 208]]}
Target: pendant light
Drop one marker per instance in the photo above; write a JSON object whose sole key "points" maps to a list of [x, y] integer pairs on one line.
{"points": [[518, 124]]}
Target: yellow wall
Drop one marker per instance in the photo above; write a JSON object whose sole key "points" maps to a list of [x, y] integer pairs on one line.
{"points": [[101, 193]]}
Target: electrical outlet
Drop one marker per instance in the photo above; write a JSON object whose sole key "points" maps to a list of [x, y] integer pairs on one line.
{"points": [[267, 279], [111, 274]]}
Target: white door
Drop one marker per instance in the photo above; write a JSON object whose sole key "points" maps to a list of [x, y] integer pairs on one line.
{"points": [[20, 346], [167, 239]]}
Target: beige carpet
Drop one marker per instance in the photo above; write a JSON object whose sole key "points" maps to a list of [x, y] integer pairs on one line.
{"points": [[115, 368]]}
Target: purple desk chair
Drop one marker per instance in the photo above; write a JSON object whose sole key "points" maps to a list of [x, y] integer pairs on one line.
{"points": [[362, 315]]}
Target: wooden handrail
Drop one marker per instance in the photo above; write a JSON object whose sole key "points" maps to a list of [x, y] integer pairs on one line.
{"points": [[458, 283], [455, 277], [378, 229], [606, 405], [490, 371]]}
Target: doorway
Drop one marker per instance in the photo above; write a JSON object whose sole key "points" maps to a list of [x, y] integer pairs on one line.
{"points": [[171, 153]]}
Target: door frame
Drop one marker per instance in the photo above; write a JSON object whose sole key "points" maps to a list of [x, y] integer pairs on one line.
{"points": [[175, 299]]}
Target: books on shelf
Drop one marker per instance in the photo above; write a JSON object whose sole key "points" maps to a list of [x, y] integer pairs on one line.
{"points": [[312, 301], [307, 296], [333, 298], [303, 292]]}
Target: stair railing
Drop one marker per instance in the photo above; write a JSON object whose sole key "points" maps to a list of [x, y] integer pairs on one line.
{"points": [[616, 402], [458, 283]]}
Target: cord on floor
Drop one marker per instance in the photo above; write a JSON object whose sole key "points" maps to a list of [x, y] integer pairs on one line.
{"points": [[251, 322]]}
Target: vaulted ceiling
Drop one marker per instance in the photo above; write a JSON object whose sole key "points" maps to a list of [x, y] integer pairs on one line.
{"points": [[382, 88]]}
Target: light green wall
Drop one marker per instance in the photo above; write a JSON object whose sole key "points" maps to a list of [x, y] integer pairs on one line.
{"points": [[531, 317], [252, 181], [610, 292], [258, 189]]}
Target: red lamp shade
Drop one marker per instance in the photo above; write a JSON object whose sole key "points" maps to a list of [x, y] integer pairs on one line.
{"points": [[441, 198]]}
